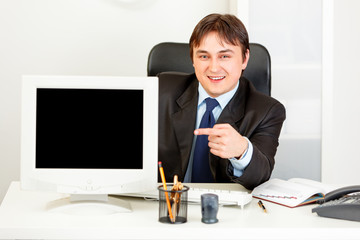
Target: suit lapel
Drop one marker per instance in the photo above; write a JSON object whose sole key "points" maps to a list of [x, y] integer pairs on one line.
{"points": [[184, 122], [234, 110]]}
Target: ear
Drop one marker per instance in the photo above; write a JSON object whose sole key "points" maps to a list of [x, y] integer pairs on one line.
{"points": [[246, 60]]}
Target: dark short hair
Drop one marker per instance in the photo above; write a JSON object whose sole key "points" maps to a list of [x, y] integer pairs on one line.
{"points": [[230, 29]]}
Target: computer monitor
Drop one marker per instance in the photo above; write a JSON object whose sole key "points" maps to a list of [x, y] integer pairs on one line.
{"points": [[89, 136]]}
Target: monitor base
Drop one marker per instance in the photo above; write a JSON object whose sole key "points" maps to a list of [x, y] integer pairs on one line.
{"points": [[97, 204]]}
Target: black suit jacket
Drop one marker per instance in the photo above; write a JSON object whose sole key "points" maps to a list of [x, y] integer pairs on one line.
{"points": [[251, 113]]}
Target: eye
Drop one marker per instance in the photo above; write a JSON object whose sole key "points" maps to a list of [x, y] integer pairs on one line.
{"points": [[225, 56], [203, 56]]}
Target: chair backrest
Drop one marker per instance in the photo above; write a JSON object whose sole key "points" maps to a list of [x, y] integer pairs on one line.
{"points": [[170, 56]]}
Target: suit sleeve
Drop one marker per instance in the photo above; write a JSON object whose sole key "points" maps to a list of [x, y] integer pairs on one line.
{"points": [[265, 140]]}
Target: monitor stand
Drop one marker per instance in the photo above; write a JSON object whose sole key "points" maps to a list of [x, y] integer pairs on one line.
{"points": [[89, 204]]}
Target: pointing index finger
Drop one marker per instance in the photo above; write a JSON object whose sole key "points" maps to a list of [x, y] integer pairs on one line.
{"points": [[204, 131]]}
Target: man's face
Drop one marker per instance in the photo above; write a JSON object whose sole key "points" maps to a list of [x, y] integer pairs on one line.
{"points": [[218, 65]]}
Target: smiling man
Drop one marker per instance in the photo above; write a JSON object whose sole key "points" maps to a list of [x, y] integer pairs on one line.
{"points": [[213, 125]]}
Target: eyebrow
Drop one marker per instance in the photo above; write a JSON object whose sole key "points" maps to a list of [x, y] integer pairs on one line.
{"points": [[222, 51]]}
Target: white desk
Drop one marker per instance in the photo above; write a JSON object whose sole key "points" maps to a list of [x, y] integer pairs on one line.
{"points": [[22, 216]]}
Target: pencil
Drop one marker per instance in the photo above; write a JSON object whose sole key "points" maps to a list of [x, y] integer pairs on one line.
{"points": [[166, 193], [262, 205]]}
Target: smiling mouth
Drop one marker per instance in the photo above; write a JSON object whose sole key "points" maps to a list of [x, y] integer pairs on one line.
{"points": [[216, 78]]}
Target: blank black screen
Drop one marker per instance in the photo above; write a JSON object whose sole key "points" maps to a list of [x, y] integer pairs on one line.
{"points": [[89, 128]]}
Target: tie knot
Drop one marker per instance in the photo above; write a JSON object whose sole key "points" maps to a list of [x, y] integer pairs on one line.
{"points": [[211, 103]]}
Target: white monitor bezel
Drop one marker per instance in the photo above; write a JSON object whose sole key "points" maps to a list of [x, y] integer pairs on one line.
{"points": [[89, 181]]}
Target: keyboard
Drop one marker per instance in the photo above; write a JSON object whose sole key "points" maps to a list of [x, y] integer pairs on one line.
{"points": [[229, 194]]}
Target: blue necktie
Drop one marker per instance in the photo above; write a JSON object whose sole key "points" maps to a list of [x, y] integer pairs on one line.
{"points": [[201, 169]]}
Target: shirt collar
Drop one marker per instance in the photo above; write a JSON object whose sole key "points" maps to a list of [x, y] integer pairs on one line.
{"points": [[223, 99]]}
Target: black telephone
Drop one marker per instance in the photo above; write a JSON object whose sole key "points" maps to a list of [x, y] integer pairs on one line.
{"points": [[338, 204]]}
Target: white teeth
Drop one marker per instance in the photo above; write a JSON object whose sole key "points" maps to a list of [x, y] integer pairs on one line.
{"points": [[216, 78]]}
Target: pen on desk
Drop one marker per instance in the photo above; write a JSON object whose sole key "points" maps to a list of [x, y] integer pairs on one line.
{"points": [[261, 205], [162, 175]]}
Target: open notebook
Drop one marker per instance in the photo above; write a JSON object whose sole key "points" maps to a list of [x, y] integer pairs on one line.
{"points": [[291, 193]]}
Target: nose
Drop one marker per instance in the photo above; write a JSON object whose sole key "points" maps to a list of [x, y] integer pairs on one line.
{"points": [[214, 65]]}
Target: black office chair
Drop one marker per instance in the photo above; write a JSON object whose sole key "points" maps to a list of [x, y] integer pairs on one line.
{"points": [[170, 56]]}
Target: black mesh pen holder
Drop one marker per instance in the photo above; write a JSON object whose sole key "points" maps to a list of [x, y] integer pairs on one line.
{"points": [[173, 204]]}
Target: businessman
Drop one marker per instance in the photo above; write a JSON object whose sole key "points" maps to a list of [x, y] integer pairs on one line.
{"points": [[213, 125]]}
